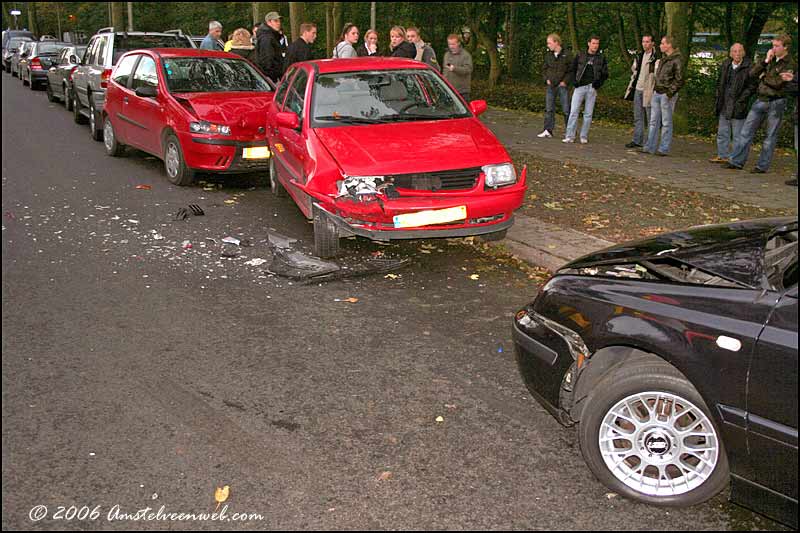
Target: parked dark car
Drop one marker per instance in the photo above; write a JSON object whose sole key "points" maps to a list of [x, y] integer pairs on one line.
{"points": [[19, 55], [59, 76], [90, 79], [677, 358], [10, 48], [41, 56]]}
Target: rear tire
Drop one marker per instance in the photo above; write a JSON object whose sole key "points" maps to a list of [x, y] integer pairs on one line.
{"points": [[68, 103], [97, 134], [618, 426], [274, 184], [31, 83], [77, 116], [113, 147], [174, 163], [22, 77], [326, 236]]}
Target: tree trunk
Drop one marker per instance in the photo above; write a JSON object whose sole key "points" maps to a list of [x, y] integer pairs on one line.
{"points": [[328, 28], [679, 28], [512, 40], [31, 9], [296, 14], [637, 27], [373, 15], [761, 14], [130, 16], [572, 23], [118, 15], [623, 48], [338, 21], [256, 13], [728, 29]]}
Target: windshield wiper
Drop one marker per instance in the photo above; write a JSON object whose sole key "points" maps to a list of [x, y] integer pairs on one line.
{"points": [[348, 119], [402, 117]]}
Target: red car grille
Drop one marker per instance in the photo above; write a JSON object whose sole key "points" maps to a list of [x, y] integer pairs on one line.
{"points": [[447, 180]]}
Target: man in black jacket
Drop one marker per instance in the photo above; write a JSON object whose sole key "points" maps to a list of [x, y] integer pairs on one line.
{"points": [[271, 50], [734, 89], [300, 50], [640, 89], [557, 63], [589, 72]]}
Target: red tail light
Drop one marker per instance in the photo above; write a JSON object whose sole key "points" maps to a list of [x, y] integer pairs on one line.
{"points": [[71, 72], [36, 64], [104, 78]]}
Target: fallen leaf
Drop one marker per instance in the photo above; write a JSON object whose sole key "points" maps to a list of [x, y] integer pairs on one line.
{"points": [[474, 277], [439, 419], [385, 476], [346, 300], [144, 187], [222, 493]]}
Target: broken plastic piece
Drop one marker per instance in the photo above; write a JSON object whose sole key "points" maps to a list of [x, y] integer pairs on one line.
{"points": [[346, 300], [231, 240], [256, 262], [280, 241], [144, 187]]}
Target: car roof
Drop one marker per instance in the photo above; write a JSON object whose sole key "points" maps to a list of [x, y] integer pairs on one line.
{"points": [[326, 66], [188, 52]]}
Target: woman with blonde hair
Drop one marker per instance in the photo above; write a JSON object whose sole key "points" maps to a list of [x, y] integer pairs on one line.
{"points": [[242, 45], [399, 46], [347, 43], [370, 46]]}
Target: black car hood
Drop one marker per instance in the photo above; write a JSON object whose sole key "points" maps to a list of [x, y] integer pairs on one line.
{"points": [[734, 251]]}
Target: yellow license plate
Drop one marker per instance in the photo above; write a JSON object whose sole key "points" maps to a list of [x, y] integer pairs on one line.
{"points": [[256, 152], [427, 218]]}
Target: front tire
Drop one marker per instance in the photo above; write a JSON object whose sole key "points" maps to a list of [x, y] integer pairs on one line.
{"points": [[113, 147], [647, 435], [326, 236], [174, 163], [97, 134], [68, 103]]}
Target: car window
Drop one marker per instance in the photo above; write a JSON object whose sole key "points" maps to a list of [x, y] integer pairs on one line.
{"points": [[88, 58], [126, 43], [297, 94], [100, 52], [123, 71], [280, 95], [145, 75], [49, 48], [212, 75]]}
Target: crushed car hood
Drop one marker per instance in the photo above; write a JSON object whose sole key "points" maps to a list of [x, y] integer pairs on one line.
{"points": [[247, 110], [408, 147], [735, 251]]}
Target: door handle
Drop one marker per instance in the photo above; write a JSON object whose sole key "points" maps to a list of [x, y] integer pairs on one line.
{"points": [[125, 100]]}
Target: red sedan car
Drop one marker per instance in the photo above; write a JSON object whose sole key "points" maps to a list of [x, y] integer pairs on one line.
{"points": [[386, 149], [195, 109]]}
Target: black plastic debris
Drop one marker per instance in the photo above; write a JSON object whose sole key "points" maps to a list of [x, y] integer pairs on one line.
{"points": [[185, 212]]}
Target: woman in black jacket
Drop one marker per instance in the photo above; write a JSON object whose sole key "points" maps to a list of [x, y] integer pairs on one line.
{"points": [[400, 47], [369, 48], [243, 46]]}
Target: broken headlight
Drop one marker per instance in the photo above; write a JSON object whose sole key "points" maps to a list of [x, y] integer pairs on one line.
{"points": [[629, 271], [577, 348], [357, 186], [207, 127], [500, 175]]}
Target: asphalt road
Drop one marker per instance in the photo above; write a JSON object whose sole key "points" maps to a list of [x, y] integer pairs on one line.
{"points": [[138, 374]]}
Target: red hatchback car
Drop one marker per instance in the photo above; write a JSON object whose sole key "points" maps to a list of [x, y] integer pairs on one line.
{"points": [[386, 149], [195, 109]]}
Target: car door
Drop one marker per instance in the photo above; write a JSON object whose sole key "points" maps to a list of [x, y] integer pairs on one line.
{"points": [[772, 401], [293, 157], [146, 114], [80, 78], [54, 73], [118, 97]]}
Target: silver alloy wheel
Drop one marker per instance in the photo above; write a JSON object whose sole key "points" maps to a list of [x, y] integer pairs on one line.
{"points": [[659, 444], [108, 135], [91, 118], [273, 178], [172, 160]]}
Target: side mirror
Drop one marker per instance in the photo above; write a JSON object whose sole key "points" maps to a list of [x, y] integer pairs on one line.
{"points": [[147, 91], [478, 107], [74, 60], [288, 120]]}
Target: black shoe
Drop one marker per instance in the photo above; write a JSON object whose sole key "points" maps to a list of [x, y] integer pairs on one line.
{"points": [[793, 182], [731, 166], [757, 170], [633, 145], [661, 154]]}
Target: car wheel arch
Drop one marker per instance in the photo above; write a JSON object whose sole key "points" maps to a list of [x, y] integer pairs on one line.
{"points": [[165, 132]]}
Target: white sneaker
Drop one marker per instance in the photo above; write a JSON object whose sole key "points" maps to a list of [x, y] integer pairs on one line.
{"points": [[584, 141], [568, 140], [545, 135]]}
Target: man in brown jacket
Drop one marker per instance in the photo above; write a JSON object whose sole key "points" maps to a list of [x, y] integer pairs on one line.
{"points": [[669, 80], [457, 66]]}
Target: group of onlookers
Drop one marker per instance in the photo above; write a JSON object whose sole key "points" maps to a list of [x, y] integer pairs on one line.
{"points": [[657, 77]]}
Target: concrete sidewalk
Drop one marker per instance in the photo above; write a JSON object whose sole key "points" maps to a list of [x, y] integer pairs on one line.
{"points": [[550, 246]]}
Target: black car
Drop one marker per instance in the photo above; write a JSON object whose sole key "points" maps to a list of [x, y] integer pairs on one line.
{"points": [[677, 358], [41, 56], [59, 76]]}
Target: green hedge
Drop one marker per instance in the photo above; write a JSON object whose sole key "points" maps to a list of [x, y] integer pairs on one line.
{"points": [[613, 108]]}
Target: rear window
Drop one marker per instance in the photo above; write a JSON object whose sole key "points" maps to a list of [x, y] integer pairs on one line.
{"points": [[14, 43], [50, 48], [124, 44]]}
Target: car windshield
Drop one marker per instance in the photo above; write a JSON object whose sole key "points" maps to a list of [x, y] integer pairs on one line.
{"points": [[126, 43], [383, 96], [212, 75]]}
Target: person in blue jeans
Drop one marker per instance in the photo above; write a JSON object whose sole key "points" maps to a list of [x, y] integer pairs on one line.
{"points": [[640, 89], [734, 89], [556, 73], [769, 107], [669, 80], [590, 71]]}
